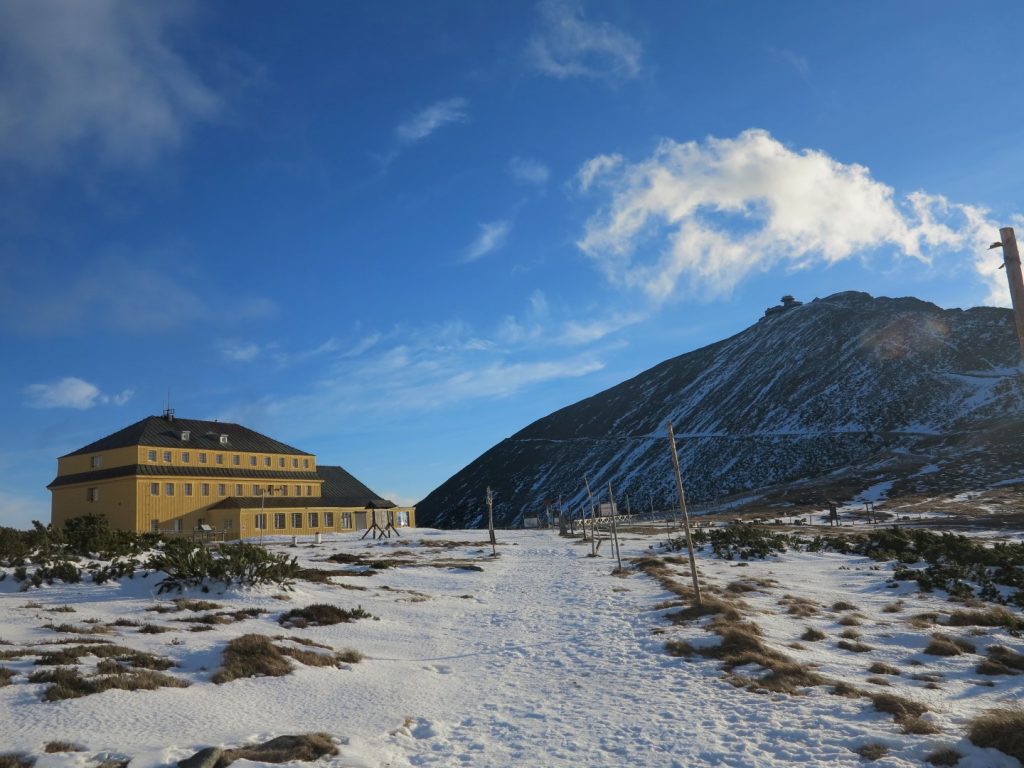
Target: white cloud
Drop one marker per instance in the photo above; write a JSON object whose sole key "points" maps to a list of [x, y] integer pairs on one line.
{"points": [[101, 74], [568, 45], [430, 119], [492, 236], [528, 171], [705, 215], [237, 352], [596, 167], [71, 392]]}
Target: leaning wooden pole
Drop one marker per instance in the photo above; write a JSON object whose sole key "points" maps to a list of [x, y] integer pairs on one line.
{"points": [[686, 517], [1011, 260], [615, 530], [593, 537], [490, 519]]}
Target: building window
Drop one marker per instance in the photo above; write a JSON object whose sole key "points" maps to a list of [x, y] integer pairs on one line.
{"points": [[154, 526], [206, 489], [298, 490], [314, 520], [169, 489], [185, 435], [92, 494], [95, 461], [184, 457], [402, 519], [236, 459], [346, 519], [279, 520], [219, 458], [177, 525], [223, 439], [296, 519], [188, 489], [305, 463], [167, 457], [261, 521], [280, 462], [151, 456], [202, 458], [309, 490], [266, 461], [252, 461], [238, 489], [255, 490], [221, 489], [154, 489], [295, 463], [328, 519], [227, 525]]}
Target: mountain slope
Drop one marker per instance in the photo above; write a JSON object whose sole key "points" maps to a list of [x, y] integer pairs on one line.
{"points": [[849, 387]]}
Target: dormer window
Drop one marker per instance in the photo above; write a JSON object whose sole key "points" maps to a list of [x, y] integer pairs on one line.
{"points": [[185, 435], [223, 439], [95, 461]]}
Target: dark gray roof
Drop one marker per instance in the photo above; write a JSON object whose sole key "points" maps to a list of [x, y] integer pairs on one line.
{"points": [[161, 432], [343, 490], [165, 470]]}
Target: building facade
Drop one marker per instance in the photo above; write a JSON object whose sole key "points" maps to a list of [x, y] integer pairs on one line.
{"points": [[175, 476]]}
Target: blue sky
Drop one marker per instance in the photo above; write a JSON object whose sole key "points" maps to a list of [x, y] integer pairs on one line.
{"points": [[393, 234]]}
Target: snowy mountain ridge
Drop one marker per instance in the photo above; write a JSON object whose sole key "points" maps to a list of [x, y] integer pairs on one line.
{"points": [[847, 387]]}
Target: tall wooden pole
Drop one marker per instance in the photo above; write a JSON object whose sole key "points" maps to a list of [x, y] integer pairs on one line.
{"points": [[1011, 260], [686, 517], [490, 519], [615, 530], [593, 544]]}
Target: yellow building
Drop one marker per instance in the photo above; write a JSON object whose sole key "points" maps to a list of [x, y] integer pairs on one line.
{"points": [[183, 476]]}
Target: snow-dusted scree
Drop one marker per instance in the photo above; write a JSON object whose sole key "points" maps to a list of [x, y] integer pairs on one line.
{"points": [[427, 650]]}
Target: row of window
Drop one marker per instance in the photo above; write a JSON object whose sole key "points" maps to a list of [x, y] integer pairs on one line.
{"points": [[218, 458], [312, 520], [204, 489]]}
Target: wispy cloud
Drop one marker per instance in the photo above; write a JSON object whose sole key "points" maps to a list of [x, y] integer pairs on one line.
{"points": [[240, 352], [528, 171], [567, 45], [491, 237], [72, 392], [700, 217], [116, 293], [103, 75], [430, 119]]}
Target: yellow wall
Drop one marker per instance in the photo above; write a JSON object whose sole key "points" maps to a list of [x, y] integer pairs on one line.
{"points": [[292, 462], [117, 502], [119, 457]]}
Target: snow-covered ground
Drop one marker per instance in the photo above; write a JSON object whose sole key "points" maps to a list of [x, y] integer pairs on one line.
{"points": [[543, 658]]}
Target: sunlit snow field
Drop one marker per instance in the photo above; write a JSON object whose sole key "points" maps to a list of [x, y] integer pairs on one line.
{"points": [[542, 658]]}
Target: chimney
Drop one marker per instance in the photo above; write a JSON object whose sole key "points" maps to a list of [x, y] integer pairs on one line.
{"points": [[1011, 260]]}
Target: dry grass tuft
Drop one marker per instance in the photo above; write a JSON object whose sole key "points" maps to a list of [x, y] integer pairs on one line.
{"points": [[849, 621], [901, 709], [16, 760], [853, 646], [850, 634], [871, 752], [847, 690], [875, 680], [72, 653], [946, 645], [893, 607], [800, 607], [68, 683], [880, 668], [153, 629], [251, 656], [321, 615], [5, 676], [710, 606], [61, 746], [944, 756], [842, 605], [812, 635], [283, 749], [679, 648], [1001, 661], [349, 656], [1001, 729], [996, 616], [919, 726]]}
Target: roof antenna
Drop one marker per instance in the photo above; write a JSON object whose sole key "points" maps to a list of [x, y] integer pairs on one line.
{"points": [[168, 411]]}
